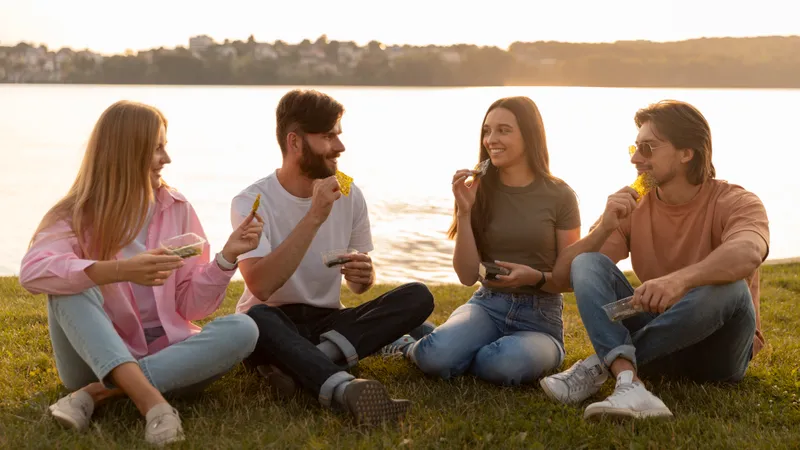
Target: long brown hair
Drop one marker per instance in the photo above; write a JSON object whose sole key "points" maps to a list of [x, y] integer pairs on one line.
{"points": [[534, 139], [107, 204]]}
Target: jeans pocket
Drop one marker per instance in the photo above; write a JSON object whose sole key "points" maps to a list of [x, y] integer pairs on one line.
{"points": [[551, 311]]}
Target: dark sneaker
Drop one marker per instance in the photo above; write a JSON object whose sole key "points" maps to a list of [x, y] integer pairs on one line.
{"points": [[280, 384], [370, 404]]}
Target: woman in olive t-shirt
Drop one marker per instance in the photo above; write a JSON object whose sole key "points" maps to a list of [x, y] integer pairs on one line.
{"points": [[519, 216]]}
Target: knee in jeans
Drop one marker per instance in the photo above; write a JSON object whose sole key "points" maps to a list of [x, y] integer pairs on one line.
{"points": [[265, 316], [437, 361], [727, 298], [241, 333], [492, 366], [739, 293], [587, 264], [91, 295], [421, 298]]}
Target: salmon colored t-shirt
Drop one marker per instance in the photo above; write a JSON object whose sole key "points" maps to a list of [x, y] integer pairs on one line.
{"points": [[663, 238]]}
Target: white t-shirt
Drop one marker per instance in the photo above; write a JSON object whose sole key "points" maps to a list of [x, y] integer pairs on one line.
{"points": [[144, 296], [312, 283]]}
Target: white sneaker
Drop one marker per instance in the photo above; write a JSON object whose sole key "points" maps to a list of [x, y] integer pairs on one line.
{"points": [[73, 411], [398, 347], [163, 425], [577, 383], [629, 400]]}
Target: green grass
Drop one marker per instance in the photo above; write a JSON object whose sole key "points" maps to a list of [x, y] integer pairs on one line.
{"points": [[763, 411]]}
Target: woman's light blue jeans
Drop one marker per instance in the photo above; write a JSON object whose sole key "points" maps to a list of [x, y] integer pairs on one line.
{"points": [[506, 339], [87, 347]]}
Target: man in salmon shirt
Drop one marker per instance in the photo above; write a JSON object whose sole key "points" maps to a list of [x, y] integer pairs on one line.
{"points": [[696, 243]]}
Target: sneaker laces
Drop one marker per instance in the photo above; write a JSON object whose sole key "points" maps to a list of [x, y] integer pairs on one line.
{"points": [[622, 389], [577, 377], [397, 347], [159, 419]]}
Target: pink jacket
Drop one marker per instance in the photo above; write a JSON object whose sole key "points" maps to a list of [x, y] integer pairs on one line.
{"points": [[54, 265]]}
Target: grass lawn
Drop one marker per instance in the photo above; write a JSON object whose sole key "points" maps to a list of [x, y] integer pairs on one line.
{"points": [[761, 412]]}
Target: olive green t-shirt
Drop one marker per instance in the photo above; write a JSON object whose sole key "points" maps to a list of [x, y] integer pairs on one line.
{"points": [[523, 223]]}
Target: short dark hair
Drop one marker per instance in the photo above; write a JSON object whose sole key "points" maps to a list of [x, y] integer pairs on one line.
{"points": [[306, 111], [684, 127]]}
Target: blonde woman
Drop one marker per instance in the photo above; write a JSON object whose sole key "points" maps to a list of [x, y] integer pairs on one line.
{"points": [[119, 308]]}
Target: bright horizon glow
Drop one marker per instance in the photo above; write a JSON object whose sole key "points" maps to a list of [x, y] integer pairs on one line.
{"points": [[107, 27]]}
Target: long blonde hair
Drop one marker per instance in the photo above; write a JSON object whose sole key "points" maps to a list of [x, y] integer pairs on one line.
{"points": [[107, 205]]}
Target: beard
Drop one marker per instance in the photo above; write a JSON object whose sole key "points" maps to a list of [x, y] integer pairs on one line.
{"points": [[313, 165], [667, 177]]}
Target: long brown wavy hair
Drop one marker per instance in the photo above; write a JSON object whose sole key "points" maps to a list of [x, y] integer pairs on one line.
{"points": [[107, 205], [531, 127]]}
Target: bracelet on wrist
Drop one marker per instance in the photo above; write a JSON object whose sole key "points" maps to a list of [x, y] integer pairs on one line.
{"points": [[541, 282], [224, 264]]}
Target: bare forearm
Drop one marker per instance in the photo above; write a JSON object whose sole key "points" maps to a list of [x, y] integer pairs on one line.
{"points": [[271, 272], [465, 256], [593, 242], [730, 262], [104, 272]]}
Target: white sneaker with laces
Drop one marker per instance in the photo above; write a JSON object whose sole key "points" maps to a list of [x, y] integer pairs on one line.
{"points": [[74, 410], [577, 383], [163, 425], [398, 347], [630, 400]]}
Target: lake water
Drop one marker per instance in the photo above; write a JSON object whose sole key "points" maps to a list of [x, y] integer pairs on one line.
{"points": [[403, 146]]}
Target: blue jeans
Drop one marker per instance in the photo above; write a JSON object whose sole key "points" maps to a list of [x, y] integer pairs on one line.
{"points": [[87, 347], [706, 336], [506, 339]]}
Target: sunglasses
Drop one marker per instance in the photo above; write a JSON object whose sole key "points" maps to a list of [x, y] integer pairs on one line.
{"points": [[644, 149]]}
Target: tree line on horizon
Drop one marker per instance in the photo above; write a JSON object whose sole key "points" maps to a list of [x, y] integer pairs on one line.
{"points": [[762, 62]]}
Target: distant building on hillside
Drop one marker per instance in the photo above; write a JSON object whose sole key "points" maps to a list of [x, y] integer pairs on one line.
{"points": [[199, 44]]}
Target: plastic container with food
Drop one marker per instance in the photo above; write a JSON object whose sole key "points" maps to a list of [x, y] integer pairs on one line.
{"points": [[185, 245], [338, 256]]}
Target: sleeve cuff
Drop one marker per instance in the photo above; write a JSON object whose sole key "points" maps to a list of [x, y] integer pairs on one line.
{"points": [[77, 274], [217, 275]]}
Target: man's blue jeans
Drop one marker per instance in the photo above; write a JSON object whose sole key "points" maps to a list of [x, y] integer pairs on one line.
{"points": [[706, 336]]}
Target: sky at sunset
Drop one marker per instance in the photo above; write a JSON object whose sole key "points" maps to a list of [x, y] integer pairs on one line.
{"points": [[112, 27]]}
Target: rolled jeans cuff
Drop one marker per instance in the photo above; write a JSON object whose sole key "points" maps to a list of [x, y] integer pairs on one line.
{"points": [[623, 351], [349, 352], [326, 391]]}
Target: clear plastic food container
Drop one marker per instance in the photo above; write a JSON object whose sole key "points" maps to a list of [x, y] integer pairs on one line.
{"points": [[185, 245]]}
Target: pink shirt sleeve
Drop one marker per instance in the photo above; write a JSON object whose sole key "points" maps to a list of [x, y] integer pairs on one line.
{"points": [[54, 264], [201, 283]]}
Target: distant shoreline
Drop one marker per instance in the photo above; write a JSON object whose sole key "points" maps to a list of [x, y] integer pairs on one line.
{"points": [[775, 262], [397, 86], [770, 62]]}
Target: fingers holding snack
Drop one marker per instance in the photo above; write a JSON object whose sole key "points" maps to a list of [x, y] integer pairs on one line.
{"points": [[481, 168], [359, 269], [344, 182]]}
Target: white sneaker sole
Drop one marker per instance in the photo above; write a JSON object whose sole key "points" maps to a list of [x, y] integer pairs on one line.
{"points": [[165, 437], [550, 394], [65, 420], [600, 412]]}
